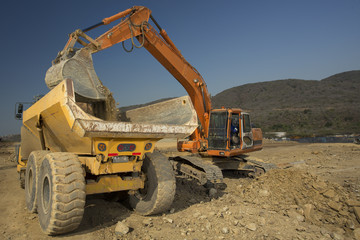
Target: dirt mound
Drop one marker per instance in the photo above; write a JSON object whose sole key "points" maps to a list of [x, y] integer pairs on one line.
{"points": [[293, 191], [282, 204], [318, 198]]}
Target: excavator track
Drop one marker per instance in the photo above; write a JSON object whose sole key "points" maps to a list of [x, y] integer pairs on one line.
{"points": [[253, 167], [209, 173], [205, 172], [265, 166], [245, 165], [255, 162]]}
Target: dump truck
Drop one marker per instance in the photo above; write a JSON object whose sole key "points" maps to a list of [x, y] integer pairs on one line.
{"points": [[66, 154], [74, 143]]}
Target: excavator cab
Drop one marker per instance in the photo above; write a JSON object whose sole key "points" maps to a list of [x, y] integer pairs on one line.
{"points": [[218, 129], [230, 131]]}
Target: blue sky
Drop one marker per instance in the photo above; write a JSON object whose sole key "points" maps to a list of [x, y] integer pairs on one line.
{"points": [[231, 43]]}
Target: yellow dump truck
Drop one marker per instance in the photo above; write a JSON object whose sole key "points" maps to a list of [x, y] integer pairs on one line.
{"points": [[67, 153]]}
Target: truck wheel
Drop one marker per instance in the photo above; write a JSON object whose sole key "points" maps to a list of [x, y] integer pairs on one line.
{"points": [[61, 193], [31, 176], [159, 191]]}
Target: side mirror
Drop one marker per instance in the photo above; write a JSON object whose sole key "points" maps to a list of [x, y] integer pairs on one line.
{"points": [[19, 108]]}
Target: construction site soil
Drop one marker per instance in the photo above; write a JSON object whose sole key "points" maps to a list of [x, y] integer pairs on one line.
{"points": [[314, 194]]}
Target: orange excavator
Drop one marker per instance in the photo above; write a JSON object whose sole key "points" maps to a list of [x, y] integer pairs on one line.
{"points": [[223, 135]]}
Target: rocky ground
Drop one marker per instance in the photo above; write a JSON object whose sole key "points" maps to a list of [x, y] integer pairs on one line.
{"points": [[313, 195]]}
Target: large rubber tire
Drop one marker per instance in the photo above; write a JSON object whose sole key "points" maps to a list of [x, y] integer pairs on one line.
{"points": [[31, 178], [159, 191], [61, 193]]}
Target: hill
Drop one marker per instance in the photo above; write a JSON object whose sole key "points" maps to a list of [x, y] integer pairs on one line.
{"points": [[300, 107]]}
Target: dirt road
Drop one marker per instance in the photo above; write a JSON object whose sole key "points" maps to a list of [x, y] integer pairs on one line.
{"points": [[311, 198]]}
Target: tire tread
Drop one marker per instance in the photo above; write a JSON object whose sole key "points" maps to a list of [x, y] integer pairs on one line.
{"points": [[69, 195], [35, 158], [165, 190]]}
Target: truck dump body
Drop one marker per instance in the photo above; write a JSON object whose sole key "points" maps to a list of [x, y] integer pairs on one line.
{"points": [[68, 128], [179, 111]]}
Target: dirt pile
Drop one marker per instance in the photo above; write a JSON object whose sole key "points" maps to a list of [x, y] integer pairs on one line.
{"points": [[317, 198], [282, 204], [305, 197]]}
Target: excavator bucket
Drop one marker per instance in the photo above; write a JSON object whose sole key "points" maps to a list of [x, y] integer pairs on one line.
{"points": [[78, 66], [179, 111]]}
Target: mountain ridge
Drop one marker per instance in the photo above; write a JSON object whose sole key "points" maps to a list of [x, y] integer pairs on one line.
{"points": [[300, 107]]}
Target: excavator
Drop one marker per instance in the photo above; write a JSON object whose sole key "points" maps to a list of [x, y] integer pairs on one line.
{"points": [[73, 144], [223, 135]]}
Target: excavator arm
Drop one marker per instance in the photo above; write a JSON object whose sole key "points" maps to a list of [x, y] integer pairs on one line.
{"points": [[135, 24]]}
